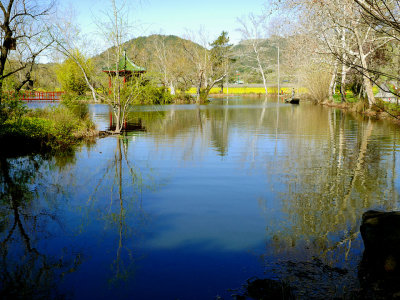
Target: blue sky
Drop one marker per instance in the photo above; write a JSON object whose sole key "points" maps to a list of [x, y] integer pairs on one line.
{"points": [[173, 16]]}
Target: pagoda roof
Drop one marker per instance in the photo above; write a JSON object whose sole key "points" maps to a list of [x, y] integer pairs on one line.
{"points": [[125, 65]]}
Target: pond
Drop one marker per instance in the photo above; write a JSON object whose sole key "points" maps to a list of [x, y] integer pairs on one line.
{"points": [[193, 201]]}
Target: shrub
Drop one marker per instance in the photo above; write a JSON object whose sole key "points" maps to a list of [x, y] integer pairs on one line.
{"points": [[77, 105], [151, 94], [54, 127], [11, 109]]}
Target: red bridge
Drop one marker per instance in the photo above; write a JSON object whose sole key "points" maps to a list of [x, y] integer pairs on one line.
{"points": [[40, 96]]}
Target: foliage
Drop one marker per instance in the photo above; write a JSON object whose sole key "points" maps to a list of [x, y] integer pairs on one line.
{"points": [[155, 95], [349, 97], [11, 109], [392, 108], [70, 75], [54, 127], [219, 53], [77, 105], [183, 98]]}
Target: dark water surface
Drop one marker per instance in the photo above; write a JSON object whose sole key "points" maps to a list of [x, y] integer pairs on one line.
{"points": [[196, 200]]}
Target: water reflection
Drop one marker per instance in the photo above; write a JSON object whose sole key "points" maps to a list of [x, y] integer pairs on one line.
{"points": [[124, 199], [225, 191], [27, 269]]}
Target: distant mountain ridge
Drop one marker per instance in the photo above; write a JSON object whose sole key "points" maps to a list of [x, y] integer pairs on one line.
{"points": [[141, 51]]}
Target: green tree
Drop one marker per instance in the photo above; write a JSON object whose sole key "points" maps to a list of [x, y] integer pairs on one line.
{"points": [[71, 76], [220, 57]]}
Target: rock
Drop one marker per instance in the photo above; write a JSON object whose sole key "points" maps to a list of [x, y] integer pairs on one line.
{"points": [[381, 235], [379, 270], [262, 289]]}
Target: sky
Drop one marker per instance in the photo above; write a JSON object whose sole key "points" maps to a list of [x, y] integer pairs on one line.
{"points": [[172, 16]]}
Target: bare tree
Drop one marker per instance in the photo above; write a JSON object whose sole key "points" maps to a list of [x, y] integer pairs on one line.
{"points": [[253, 32], [195, 46], [345, 35], [21, 25], [67, 40], [208, 67], [122, 94]]}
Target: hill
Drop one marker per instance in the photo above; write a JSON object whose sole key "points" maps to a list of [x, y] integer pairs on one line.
{"points": [[143, 50]]}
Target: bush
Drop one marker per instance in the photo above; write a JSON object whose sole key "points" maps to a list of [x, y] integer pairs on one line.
{"points": [[54, 127], [316, 79], [70, 75], [151, 94], [391, 108], [182, 97], [11, 109], [77, 105]]}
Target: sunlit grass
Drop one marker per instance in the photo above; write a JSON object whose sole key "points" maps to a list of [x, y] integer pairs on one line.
{"points": [[349, 97]]}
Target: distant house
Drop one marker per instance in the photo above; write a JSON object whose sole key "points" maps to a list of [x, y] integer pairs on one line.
{"points": [[385, 94]]}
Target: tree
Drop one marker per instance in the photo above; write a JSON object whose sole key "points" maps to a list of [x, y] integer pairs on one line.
{"points": [[21, 26], [383, 18], [70, 43], [121, 94], [71, 76], [252, 30], [208, 67], [345, 36], [199, 58], [220, 56]]}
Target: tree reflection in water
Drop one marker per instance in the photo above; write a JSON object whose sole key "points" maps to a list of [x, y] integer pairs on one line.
{"points": [[25, 223], [317, 248], [122, 214], [31, 218]]}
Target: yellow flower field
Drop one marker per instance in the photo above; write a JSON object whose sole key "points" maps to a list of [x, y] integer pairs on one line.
{"points": [[249, 90]]}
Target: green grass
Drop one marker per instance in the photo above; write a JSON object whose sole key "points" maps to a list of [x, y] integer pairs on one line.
{"points": [[349, 97], [52, 127]]}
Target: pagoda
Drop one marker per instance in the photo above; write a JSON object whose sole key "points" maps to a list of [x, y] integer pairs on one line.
{"points": [[126, 69]]}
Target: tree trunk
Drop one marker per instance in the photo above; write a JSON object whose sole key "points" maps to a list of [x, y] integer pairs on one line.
{"points": [[5, 47], [200, 83], [172, 88], [369, 91], [1, 89], [344, 70], [333, 81], [261, 69], [117, 114], [343, 84], [365, 73]]}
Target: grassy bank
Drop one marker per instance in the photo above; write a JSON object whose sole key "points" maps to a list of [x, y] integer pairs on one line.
{"points": [[381, 110], [52, 127]]}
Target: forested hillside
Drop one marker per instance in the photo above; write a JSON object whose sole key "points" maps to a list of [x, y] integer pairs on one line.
{"points": [[157, 53]]}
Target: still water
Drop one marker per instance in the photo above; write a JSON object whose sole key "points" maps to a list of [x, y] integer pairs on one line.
{"points": [[195, 200]]}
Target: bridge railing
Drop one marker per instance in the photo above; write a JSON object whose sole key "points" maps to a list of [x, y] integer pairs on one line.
{"points": [[39, 96]]}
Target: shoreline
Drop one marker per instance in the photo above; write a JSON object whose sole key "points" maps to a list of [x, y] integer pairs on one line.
{"points": [[352, 107]]}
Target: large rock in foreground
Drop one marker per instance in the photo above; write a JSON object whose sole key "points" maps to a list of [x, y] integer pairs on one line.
{"points": [[381, 235], [379, 271]]}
